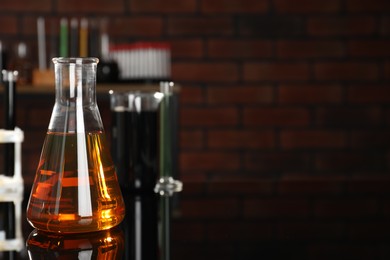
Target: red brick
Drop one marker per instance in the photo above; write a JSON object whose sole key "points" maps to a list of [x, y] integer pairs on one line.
{"points": [[232, 49], [307, 6], [30, 163], [348, 116], [188, 231], [370, 139], [8, 24], [275, 71], [369, 185], [187, 48], [234, 6], [369, 48], [341, 26], [193, 176], [276, 116], [309, 94], [351, 208], [239, 231], [386, 70], [191, 139], [168, 6], [385, 26], [205, 71], [28, 180], [88, 6], [26, 6], [208, 116], [136, 26], [346, 71], [276, 208], [271, 25], [262, 94], [387, 117], [271, 162], [241, 186], [20, 117], [35, 140], [293, 139], [200, 26], [377, 230], [350, 161], [311, 185], [368, 6], [38, 117], [368, 94], [191, 95], [386, 207], [209, 161], [214, 208], [310, 230], [306, 49], [235, 139], [193, 188]]}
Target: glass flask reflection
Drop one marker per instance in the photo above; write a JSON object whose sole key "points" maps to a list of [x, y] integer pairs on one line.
{"points": [[107, 244], [75, 188]]}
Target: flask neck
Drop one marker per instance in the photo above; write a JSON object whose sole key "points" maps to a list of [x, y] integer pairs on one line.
{"points": [[75, 109], [75, 81]]}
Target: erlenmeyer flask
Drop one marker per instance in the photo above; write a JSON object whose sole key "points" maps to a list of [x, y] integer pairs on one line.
{"points": [[75, 188]]}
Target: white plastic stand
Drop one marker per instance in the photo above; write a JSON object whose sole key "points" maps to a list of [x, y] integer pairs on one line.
{"points": [[11, 190]]}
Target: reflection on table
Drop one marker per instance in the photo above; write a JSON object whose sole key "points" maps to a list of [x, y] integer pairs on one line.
{"points": [[143, 235], [108, 244]]}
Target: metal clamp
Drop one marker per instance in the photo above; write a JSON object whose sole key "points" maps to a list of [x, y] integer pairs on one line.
{"points": [[167, 186]]}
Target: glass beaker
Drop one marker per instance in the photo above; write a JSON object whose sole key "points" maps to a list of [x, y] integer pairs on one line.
{"points": [[75, 187], [135, 139], [135, 150]]}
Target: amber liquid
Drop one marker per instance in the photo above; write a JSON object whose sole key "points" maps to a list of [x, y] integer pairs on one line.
{"points": [[75, 188]]}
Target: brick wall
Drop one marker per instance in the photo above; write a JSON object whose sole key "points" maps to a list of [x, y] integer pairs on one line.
{"points": [[284, 118]]}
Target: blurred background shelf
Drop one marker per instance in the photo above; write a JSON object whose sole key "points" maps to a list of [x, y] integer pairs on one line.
{"points": [[100, 88]]}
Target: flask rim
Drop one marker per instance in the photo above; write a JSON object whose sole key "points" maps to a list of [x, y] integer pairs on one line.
{"points": [[75, 60]]}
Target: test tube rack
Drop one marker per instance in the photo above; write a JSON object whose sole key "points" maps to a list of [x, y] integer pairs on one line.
{"points": [[11, 190]]}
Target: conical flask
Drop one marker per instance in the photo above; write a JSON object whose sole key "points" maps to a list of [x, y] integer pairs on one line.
{"points": [[75, 187]]}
